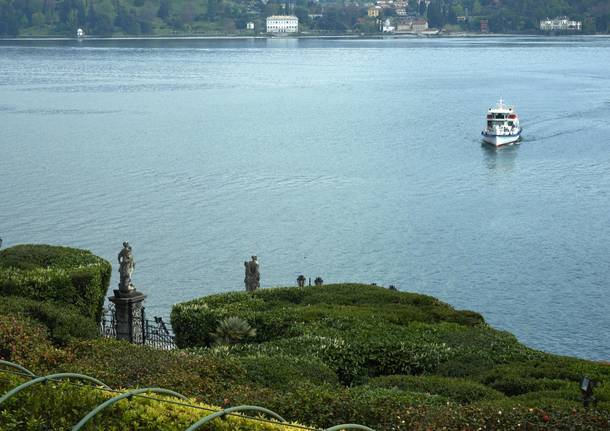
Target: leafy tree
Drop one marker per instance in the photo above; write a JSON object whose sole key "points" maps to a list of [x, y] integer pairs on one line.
{"points": [[38, 19], [423, 8], [91, 17], [164, 8], [212, 12], [476, 7], [436, 15], [9, 20], [188, 12], [303, 14]]}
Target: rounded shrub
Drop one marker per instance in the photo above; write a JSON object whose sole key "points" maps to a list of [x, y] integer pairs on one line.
{"points": [[459, 390], [63, 321], [25, 342], [282, 371], [52, 273], [121, 364], [289, 312]]}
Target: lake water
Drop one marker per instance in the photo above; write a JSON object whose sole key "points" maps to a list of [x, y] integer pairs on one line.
{"points": [[353, 160]]}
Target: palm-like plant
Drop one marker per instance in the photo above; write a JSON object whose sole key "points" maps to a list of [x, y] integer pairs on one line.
{"points": [[233, 330]]}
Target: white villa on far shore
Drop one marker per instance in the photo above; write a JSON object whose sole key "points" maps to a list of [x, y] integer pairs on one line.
{"points": [[282, 24], [562, 23]]}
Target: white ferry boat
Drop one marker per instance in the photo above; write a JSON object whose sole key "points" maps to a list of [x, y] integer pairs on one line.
{"points": [[502, 125]]}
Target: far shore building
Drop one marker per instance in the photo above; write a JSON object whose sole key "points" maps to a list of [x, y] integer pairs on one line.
{"points": [[282, 24], [250, 26], [420, 25], [412, 26], [374, 11], [484, 26], [387, 26], [562, 23]]}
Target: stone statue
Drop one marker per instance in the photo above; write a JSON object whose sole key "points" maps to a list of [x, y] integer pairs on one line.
{"points": [[301, 280], [126, 267], [252, 279]]}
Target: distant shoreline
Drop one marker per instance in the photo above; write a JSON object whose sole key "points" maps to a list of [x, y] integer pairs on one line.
{"points": [[345, 36]]}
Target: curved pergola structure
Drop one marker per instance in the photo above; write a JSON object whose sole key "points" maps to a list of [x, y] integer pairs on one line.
{"points": [[118, 398], [54, 377], [349, 427], [18, 367], [224, 412]]}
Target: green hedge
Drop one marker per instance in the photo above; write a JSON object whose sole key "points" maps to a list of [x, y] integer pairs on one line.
{"points": [[282, 371], [459, 390], [121, 364], [288, 312], [552, 376], [362, 351], [24, 341], [64, 322], [59, 406], [392, 409], [220, 376], [43, 272]]}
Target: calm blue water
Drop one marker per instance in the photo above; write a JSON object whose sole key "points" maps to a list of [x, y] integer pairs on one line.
{"points": [[353, 160]]}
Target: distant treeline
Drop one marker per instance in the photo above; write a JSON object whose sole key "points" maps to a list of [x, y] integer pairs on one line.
{"points": [[166, 17]]}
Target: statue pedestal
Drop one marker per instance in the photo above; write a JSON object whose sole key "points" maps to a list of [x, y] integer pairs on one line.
{"points": [[129, 320]]}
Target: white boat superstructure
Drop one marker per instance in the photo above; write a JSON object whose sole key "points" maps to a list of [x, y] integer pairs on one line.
{"points": [[502, 125]]}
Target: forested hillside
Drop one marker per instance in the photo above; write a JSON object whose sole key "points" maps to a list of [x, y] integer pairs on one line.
{"points": [[167, 17]]}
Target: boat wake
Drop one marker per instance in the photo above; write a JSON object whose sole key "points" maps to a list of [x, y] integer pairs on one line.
{"points": [[536, 138]]}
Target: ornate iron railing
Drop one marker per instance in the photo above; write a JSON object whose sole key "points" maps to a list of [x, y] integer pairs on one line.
{"points": [[156, 333]]}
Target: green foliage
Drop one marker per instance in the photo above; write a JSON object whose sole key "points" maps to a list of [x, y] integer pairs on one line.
{"points": [[550, 377], [393, 360], [59, 406], [356, 330], [233, 330], [324, 405], [326, 355], [282, 371], [25, 342], [286, 312], [64, 322], [30, 257], [120, 364], [459, 390], [68, 275]]}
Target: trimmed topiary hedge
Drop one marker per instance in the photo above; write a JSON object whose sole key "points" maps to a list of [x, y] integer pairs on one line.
{"points": [[52, 273], [283, 371], [121, 364], [288, 312], [459, 390], [63, 321]]}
